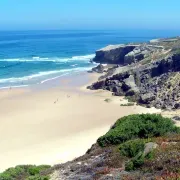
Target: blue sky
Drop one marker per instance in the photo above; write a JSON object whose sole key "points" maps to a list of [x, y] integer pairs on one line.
{"points": [[89, 14]]}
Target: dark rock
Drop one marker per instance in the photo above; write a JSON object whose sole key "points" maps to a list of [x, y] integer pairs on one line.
{"points": [[130, 93], [177, 106], [147, 98], [170, 64], [98, 69], [97, 85], [113, 82], [176, 118], [117, 91], [125, 87]]}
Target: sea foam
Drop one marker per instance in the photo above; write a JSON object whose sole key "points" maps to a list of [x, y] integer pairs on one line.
{"points": [[52, 59], [41, 74], [59, 68]]}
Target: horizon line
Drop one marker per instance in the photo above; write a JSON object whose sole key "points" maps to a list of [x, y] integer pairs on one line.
{"points": [[125, 29]]}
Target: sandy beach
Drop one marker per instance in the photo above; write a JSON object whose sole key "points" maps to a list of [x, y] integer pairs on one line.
{"points": [[55, 124]]}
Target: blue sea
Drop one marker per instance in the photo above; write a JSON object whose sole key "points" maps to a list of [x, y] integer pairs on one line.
{"points": [[34, 57]]}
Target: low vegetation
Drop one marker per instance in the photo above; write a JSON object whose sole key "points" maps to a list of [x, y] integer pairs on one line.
{"points": [[166, 157], [107, 100], [128, 104], [137, 126], [25, 172], [161, 163], [131, 134], [132, 148], [131, 99]]}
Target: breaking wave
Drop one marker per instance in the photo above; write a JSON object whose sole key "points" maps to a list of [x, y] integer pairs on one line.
{"points": [[41, 74], [53, 59]]}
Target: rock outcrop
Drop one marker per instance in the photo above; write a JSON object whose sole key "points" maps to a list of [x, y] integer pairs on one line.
{"points": [[125, 54], [113, 54], [141, 52], [99, 69]]}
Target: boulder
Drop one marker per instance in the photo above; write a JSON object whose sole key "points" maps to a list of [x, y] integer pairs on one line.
{"points": [[129, 84], [147, 98], [176, 118], [97, 85], [117, 91], [149, 147], [98, 69], [177, 105]]}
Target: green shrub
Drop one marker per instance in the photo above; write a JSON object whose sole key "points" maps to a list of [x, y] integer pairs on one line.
{"points": [[131, 98], [138, 161], [137, 126], [129, 166], [36, 169], [132, 148], [38, 177], [107, 100], [128, 104], [33, 170], [164, 157], [135, 162], [150, 155], [24, 172]]}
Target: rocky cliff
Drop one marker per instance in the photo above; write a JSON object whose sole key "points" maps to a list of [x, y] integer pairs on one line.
{"points": [[113, 54], [152, 78], [125, 54], [156, 84]]}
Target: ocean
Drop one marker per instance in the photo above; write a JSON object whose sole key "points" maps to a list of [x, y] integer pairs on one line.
{"points": [[34, 57]]}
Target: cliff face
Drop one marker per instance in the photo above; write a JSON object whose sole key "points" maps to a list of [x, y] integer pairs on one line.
{"points": [[160, 83], [113, 54], [170, 64], [125, 54], [152, 76], [156, 84]]}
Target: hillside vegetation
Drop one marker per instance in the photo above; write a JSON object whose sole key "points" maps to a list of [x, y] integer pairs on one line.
{"points": [[134, 133], [137, 126], [25, 172], [140, 146]]}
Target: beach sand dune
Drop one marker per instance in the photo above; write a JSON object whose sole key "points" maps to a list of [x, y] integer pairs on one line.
{"points": [[54, 125]]}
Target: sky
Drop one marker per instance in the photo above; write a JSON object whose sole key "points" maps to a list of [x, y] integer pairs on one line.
{"points": [[89, 14]]}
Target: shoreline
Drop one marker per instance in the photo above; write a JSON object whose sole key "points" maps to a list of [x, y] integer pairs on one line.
{"points": [[56, 122], [45, 81]]}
